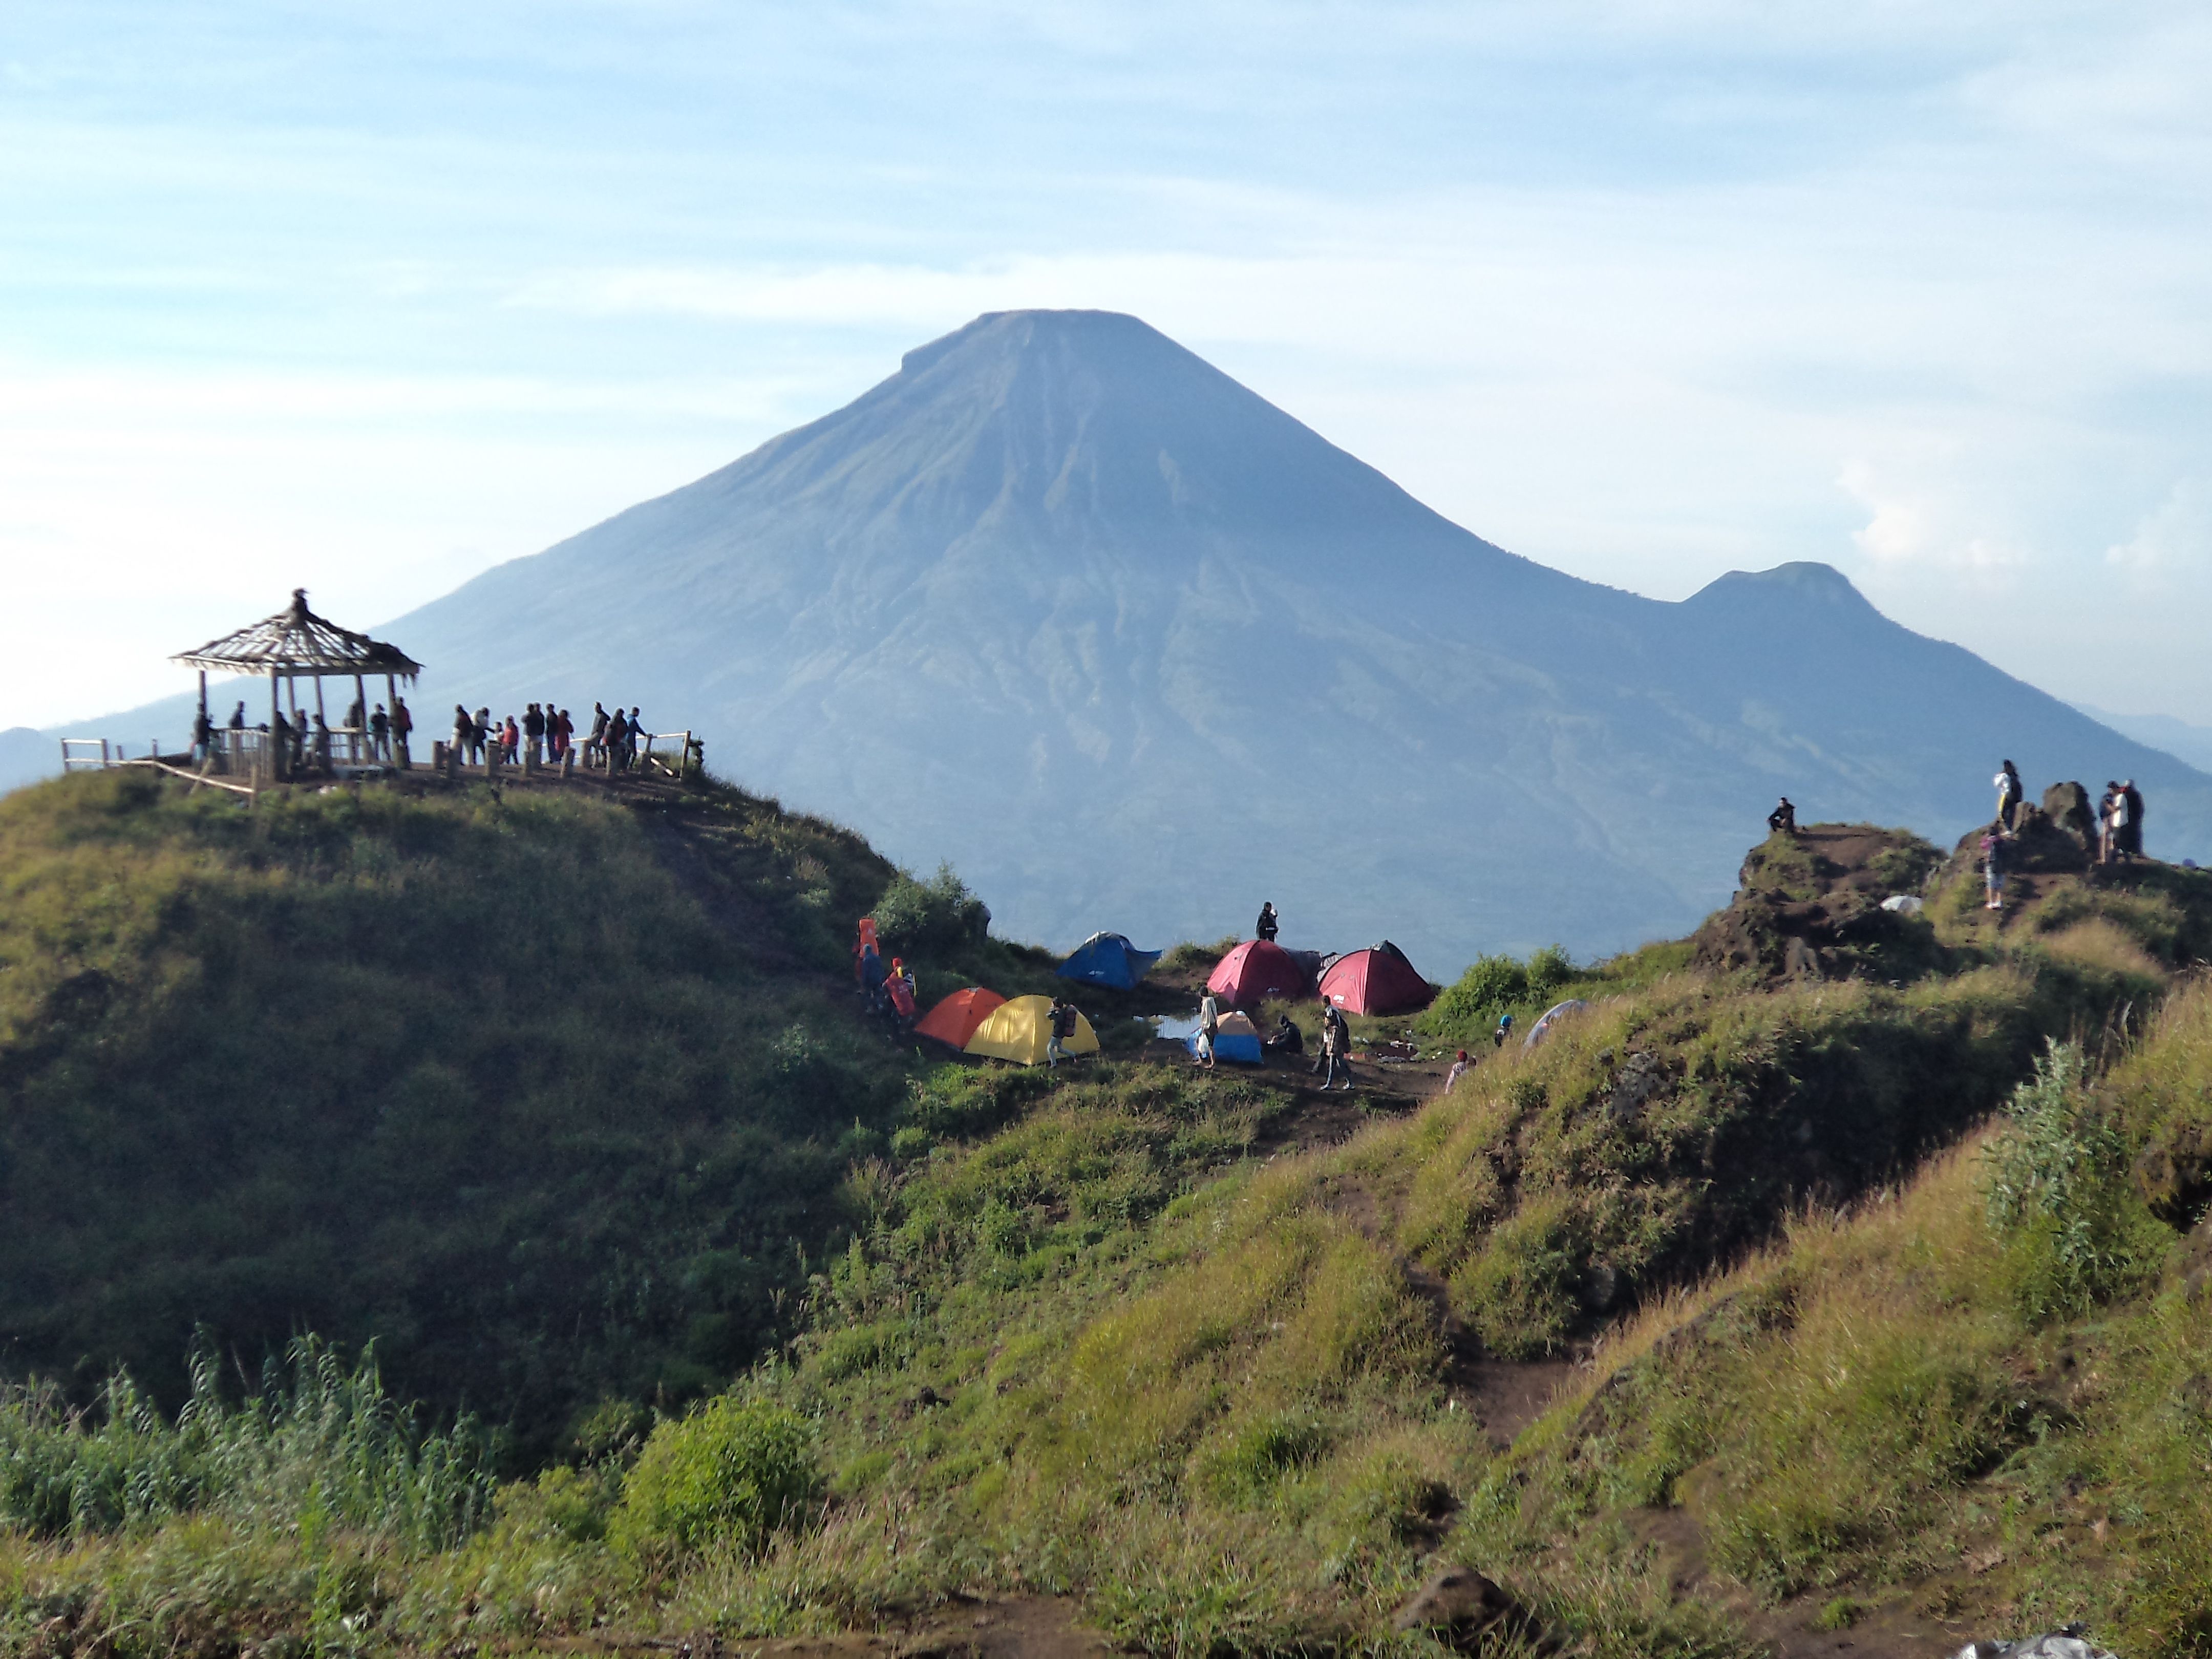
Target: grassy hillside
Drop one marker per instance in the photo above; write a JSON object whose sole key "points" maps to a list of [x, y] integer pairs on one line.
{"points": [[550, 1094], [1753, 1306]]}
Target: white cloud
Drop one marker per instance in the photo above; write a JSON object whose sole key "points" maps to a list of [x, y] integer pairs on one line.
{"points": [[2172, 541]]}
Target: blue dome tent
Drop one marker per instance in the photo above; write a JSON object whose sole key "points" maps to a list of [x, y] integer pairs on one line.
{"points": [[1109, 959]]}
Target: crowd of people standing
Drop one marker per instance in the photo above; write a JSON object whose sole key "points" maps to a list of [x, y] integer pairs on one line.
{"points": [[306, 744], [546, 733]]}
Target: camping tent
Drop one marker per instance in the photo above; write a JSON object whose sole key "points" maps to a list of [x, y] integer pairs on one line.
{"points": [[1109, 959], [1254, 971], [1376, 980], [1019, 1029], [1234, 1038], [1557, 1012], [955, 1019]]}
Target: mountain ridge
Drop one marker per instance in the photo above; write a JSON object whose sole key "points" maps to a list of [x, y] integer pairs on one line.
{"points": [[1060, 577]]}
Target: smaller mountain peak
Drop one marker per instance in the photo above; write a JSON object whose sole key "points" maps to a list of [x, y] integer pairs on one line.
{"points": [[1801, 582]]}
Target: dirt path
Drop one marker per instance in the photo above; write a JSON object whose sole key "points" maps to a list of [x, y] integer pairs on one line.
{"points": [[1010, 1627]]}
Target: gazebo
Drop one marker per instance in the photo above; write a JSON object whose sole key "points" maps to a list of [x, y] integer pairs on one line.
{"points": [[296, 643]]}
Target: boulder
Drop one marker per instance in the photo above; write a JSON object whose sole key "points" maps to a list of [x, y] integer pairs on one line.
{"points": [[2037, 847], [1459, 1606], [2064, 1644], [2067, 807]]}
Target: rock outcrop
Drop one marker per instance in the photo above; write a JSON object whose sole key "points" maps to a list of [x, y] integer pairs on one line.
{"points": [[1809, 905]]}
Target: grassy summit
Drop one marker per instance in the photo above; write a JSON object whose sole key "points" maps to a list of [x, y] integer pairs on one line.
{"points": [[548, 1095], [1783, 1291]]}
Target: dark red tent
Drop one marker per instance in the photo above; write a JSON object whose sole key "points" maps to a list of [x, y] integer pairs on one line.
{"points": [[1254, 971], [1376, 980]]}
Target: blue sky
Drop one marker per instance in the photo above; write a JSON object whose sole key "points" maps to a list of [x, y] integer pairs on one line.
{"points": [[369, 297]]}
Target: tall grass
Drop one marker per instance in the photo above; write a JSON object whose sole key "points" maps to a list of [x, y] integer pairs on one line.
{"points": [[319, 1442]]}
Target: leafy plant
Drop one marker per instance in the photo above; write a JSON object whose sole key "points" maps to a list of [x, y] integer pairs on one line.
{"points": [[940, 914], [2056, 1182], [734, 1471]]}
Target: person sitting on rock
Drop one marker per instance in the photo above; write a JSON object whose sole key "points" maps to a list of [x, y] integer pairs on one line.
{"points": [[1782, 820]]}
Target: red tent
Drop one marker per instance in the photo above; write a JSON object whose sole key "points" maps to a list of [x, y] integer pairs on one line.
{"points": [[1376, 980], [1254, 971], [955, 1019]]}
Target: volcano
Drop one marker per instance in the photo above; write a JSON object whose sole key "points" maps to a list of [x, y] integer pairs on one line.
{"points": [[1064, 604]]}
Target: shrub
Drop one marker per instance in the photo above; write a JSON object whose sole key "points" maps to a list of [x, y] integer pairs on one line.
{"points": [[940, 914], [734, 1471], [2056, 1183]]}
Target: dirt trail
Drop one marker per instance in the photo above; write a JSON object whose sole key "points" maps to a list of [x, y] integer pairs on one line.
{"points": [[1012, 1627]]}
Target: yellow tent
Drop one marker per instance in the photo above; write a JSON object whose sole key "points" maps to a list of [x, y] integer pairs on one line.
{"points": [[1019, 1029]]}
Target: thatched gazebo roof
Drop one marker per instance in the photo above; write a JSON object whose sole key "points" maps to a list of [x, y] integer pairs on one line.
{"points": [[296, 642]]}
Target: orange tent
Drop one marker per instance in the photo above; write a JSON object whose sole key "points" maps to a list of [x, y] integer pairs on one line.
{"points": [[955, 1019]]}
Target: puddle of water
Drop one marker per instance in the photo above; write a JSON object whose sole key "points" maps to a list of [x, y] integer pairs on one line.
{"points": [[1175, 1027]]}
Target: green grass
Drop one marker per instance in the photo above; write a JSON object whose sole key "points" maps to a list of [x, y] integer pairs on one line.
{"points": [[1869, 1280], [493, 1079]]}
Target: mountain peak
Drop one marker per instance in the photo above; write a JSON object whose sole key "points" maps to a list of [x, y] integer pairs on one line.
{"points": [[1017, 331], [1801, 585]]}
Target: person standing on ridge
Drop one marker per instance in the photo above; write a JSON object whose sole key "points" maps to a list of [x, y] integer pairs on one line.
{"points": [[202, 734], [464, 733], [403, 727], [1209, 1023], [629, 743], [1993, 868], [533, 730], [1782, 820], [1266, 927], [2133, 797], [898, 998], [610, 743], [595, 745], [379, 734], [238, 718], [356, 728], [2107, 808], [1336, 1047], [2009, 796], [1063, 1028]]}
